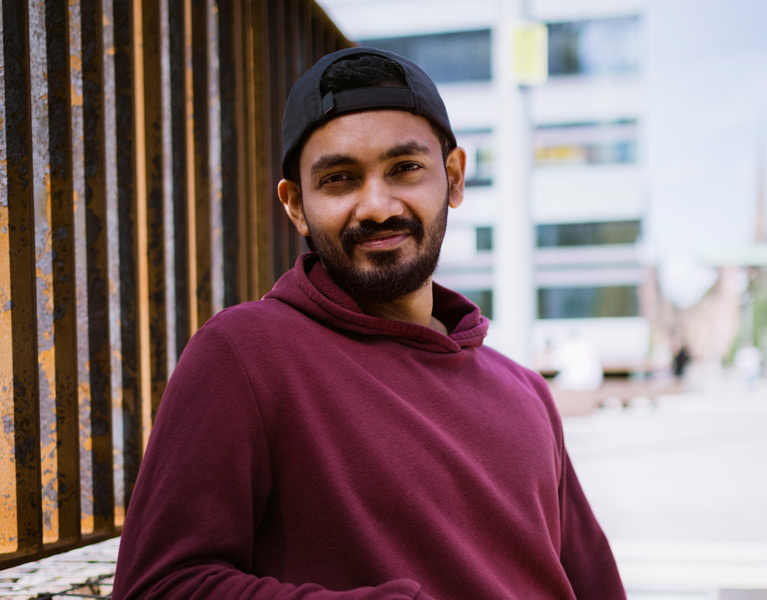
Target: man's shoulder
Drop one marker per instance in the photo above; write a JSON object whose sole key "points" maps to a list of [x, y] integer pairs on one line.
{"points": [[252, 311], [256, 318], [524, 376], [492, 356], [258, 332]]}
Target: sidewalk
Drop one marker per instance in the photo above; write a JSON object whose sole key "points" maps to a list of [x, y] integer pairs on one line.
{"points": [[64, 575], [680, 487]]}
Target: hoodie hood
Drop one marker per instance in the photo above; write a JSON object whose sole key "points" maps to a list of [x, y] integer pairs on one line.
{"points": [[309, 289]]}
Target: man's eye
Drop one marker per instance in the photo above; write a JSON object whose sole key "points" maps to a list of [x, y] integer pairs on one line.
{"points": [[407, 167], [335, 178]]}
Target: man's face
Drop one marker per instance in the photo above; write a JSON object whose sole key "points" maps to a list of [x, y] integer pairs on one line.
{"points": [[374, 197]]}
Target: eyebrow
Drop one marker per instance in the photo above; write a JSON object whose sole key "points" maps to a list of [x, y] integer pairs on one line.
{"points": [[410, 147], [329, 161]]}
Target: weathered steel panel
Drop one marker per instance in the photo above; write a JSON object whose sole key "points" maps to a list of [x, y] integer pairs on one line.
{"points": [[265, 129], [22, 293], [64, 276], [278, 86], [179, 99], [81, 270], [318, 33], [155, 199], [127, 210], [92, 21], [7, 465], [115, 203], [46, 350], [295, 66], [113, 240], [201, 144], [231, 130], [248, 226], [214, 160]]}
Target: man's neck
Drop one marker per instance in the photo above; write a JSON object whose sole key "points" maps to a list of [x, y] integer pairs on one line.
{"points": [[415, 308]]}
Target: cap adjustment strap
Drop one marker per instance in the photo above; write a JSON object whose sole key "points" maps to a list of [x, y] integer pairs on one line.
{"points": [[368, 98]]}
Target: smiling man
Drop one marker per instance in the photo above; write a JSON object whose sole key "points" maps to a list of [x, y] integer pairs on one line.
{"points": [[375, 207], [349, 436]]}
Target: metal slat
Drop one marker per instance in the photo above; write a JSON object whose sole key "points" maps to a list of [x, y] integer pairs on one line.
{"points": [[250, 250], [294, 63], [243, 276], [232, 126], [7, 439], [263, 135], [127, 210], [179, 59], [46, 351], [202, 203], [155, 213], [92, 20], [21, 295], [64, 277], [318, 33], [278, 86], [81, 267]]}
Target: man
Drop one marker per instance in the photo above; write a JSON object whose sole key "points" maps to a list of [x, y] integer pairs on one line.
{"points": [[349, 436]]}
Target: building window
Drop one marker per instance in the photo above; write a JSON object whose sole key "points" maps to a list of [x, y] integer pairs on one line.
{"points": [[612, 142], [484, 239], [479, 156], [597, 47], [588, 234], [446, 57], [588, 302], [482, 298]]}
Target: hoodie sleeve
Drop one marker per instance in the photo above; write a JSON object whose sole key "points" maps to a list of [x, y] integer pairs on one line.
{"points": [[586, 555], [201, 493], [585, 552]]}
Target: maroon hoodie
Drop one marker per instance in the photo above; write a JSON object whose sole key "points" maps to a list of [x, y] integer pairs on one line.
{"points": [[305, 450]]}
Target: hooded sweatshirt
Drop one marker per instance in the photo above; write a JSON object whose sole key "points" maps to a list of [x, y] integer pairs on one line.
{"points": [[306, 450]]}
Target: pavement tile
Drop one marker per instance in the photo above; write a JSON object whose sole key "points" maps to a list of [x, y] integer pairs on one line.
{"points": [[67, 572]]}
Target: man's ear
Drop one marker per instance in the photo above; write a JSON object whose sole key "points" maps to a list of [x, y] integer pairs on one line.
{"points": [[292, 201], [455, 165]]}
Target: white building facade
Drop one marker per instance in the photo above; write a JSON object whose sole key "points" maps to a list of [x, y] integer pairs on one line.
{"points": [[548, 239]]}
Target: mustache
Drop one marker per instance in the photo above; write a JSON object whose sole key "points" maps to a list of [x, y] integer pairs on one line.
{"points": [[367, 229]]}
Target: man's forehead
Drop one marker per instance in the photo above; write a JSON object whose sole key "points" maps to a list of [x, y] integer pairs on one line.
{"points": [[383, 133]]}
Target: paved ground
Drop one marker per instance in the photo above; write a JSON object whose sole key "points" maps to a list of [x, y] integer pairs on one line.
{"points": [[679, 485], [62, 576]]}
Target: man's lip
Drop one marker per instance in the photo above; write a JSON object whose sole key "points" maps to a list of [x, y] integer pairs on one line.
{"points": [[383, 241]]}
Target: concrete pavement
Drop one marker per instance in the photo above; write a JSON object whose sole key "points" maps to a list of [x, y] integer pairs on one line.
{"points": [[680, 487]]}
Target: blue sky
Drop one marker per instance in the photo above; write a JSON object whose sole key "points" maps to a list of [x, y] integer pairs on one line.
{"points": [[707, 122]]}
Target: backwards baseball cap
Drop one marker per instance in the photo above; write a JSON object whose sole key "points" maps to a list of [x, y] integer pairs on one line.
{"points": [[307, 107]]}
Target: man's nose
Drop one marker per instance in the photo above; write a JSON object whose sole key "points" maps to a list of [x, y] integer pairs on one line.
{"points": [[377, 202]]}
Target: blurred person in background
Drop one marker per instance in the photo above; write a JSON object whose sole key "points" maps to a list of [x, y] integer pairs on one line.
{"points": [[349, 435], [681, 358], [578, 364]]}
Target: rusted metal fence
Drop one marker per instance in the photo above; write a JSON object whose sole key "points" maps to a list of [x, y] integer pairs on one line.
{"points": [[140, 143]]}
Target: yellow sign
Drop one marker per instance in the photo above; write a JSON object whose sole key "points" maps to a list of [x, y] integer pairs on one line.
{"points": [[530, 53]]}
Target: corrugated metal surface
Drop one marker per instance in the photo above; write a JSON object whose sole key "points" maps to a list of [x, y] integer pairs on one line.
{"points": [[140, 152]]}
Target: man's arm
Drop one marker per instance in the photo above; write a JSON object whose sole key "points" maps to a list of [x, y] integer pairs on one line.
{"points": [[202, 489], [586, 555]]}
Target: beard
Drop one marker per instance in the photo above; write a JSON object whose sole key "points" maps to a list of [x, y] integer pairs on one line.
{"points": [[389, 277]]}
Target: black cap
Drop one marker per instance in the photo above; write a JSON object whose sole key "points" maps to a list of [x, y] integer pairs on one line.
{"points": [[307, 108]]}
